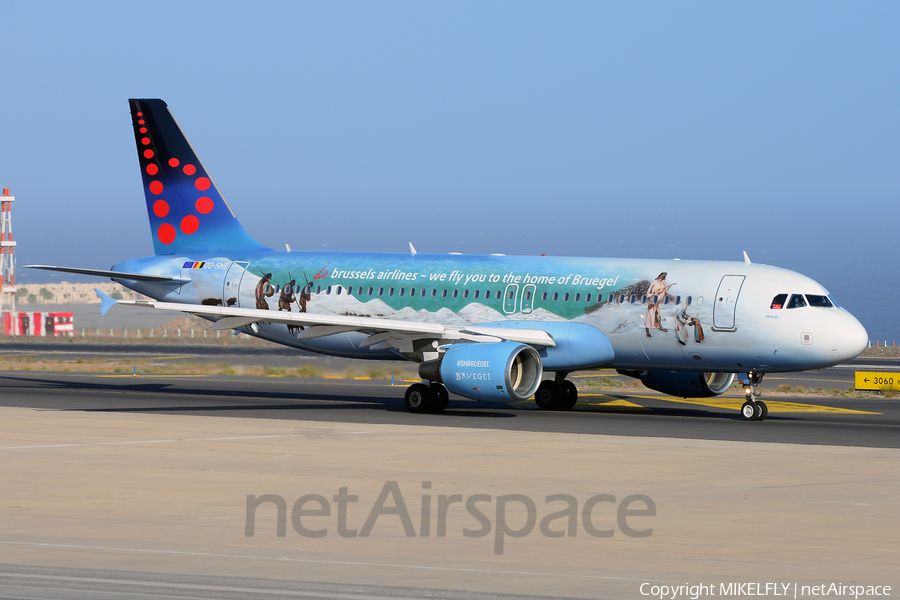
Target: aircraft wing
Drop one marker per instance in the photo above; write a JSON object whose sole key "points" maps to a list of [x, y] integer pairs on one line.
{"points": [[405, 336]]}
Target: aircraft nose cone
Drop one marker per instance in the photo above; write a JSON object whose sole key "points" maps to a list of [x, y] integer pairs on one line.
{"points": [[850, 338]]}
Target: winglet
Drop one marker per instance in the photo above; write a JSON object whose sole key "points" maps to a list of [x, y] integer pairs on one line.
{"points": [[746, 258], [106, 302], [412, 249]]}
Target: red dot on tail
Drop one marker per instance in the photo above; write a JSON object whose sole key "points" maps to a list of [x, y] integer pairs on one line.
{"points": [[143, 130], [166, 233], [189, 169], [204, 205], [173, 162], [152, 169], [148, 153], [140, 122], [140, 114], [145, 141], [189, 224], [160, 208], [202, 184], [156, 188]]}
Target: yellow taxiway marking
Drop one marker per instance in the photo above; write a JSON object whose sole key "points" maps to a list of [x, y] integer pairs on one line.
{"points": [[773, 405], [810, 379], [612, 401], [157, 375]]}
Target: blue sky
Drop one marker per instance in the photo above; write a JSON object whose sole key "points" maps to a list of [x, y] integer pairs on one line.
{"points": [[691, 130]]}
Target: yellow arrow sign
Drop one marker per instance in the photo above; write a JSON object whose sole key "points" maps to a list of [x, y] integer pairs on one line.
{"points": [[877, 380]]}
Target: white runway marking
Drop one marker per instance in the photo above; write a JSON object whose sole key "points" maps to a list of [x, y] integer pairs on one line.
{"points": [[219, 439]]}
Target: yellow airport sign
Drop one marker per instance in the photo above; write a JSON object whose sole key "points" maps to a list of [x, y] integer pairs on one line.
{"points": [[877, 380]]}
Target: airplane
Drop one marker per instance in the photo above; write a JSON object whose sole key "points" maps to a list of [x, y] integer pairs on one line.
{"points": [[483, 327]]}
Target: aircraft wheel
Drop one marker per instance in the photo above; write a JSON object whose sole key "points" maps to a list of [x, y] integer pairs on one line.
{"points": [[748, 411], [548, 395], [762, 410], [419, 398], [442, 397], [569, 395]]}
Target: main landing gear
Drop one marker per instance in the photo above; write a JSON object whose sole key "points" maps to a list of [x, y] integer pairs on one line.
{"points": [[425, 398], [556, 394], [754, 409]]}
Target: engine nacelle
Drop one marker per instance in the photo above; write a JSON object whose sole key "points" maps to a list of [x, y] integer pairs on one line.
{"points": [[494, 372], [685, 385]]}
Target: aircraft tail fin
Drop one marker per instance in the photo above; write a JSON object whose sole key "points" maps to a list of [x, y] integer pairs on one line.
{"points": [[187, 212]]}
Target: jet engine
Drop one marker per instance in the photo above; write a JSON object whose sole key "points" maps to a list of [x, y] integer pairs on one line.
{"points": [[685, 385], [494, 372]]}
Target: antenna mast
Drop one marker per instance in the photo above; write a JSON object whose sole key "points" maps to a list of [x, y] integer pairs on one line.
{"points": [[7, 262]]}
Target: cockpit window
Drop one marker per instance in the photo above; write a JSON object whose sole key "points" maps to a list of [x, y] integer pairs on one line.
{"points": [[796, 301], [833, 301], [778, 301], [819, 301]]}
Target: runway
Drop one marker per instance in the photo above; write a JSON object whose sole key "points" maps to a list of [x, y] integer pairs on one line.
{"points": [[128, 486], [840, 421]]}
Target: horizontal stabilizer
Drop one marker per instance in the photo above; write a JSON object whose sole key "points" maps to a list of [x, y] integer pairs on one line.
{"points": [[111, 274], [106, 302]]}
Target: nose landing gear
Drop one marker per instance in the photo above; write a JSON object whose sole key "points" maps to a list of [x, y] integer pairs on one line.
{"points": [[754, 409]]}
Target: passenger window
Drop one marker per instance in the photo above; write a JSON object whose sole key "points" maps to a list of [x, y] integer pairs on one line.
{"points": [[338, 290], [455, 293], [528, 295], [555, 296], [477, 292], [391, 292], [687, 301], [644, 299], [318, 289], [544, 297], [444, 293], [402, 291], [465, 293], [818, 301], [487, 294], [796, 301], [434, 293], [778, 301], [566, 297], [633, 298], [381, 291], [588, 298]]}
